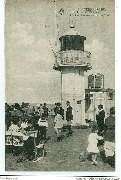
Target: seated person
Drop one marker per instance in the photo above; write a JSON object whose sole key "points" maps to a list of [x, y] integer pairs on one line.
{"points": [[28, 145], [28, 150], [14, 126]]}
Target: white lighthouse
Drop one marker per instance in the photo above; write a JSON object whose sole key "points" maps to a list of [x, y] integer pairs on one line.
{"points": [[72, 61]]}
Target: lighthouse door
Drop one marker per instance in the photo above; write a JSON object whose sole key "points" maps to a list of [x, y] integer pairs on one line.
{"points": [[78, 112]]}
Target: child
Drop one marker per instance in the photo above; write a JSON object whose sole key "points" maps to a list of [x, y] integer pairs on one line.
{"points": [[92, 144], [92, 148]]}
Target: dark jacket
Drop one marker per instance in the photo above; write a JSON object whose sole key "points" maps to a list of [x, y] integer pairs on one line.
{"points": [[69, 115], [100, 118], [45, 111], [110, 129]]}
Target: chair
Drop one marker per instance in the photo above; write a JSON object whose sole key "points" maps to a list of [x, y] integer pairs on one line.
{"points": [[8, 138], [12, 141], [41, 147]]}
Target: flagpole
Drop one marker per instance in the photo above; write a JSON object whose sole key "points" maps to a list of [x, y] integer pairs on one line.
{"points": [[56, 23]]}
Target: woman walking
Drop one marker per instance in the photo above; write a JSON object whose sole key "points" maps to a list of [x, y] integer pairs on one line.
{"points": [[58, 121]]}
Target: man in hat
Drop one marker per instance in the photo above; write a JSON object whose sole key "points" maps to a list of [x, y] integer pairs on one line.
{"points": [[69, 117], [45, 109], [100, 119]]}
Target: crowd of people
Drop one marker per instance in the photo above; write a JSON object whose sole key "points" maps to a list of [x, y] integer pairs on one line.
{"points": [[25, 118], [29, 117], [101, 140], [24, 113]]}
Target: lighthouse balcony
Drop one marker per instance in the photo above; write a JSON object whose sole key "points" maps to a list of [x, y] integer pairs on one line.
{"points": [[73, 58]]}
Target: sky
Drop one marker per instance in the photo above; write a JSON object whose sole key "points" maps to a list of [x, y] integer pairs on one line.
{"points": [[29, 45]]}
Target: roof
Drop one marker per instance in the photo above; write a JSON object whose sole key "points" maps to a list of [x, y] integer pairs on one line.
{"points": [[72, 31]]}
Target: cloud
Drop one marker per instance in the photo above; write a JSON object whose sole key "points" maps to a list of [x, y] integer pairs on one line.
{"points": [[26, 54], [39, 87], [96, 47], [38, 57], [101, 55], [102, 60], [21, 34]]}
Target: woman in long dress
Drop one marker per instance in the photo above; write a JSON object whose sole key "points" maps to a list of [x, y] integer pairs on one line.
{"points": [[58, 121]]}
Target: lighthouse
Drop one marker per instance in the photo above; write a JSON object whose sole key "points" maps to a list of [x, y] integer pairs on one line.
{"points": [[73, 61]]}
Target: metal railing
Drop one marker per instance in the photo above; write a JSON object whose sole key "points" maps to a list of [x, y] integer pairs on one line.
{"points": [[73, 57]]}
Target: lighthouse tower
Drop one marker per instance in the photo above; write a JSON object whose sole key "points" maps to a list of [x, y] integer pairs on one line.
{"points": [[72, 61]]}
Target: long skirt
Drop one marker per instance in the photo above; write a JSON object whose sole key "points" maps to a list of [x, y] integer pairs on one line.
{"points": [[58, 124]]}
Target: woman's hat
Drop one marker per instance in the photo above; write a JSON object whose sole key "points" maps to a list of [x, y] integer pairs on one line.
{"points": [[58, 104], [100, 106], [67, 102]]}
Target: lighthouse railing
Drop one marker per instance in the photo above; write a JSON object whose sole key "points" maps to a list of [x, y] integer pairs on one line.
{"points": [[73, 57]]}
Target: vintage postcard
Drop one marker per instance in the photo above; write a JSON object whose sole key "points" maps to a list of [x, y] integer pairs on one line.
{"points": [[60, 86]]}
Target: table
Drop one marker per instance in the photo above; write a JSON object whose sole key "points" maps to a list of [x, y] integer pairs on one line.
{"points": [[17, 139]]}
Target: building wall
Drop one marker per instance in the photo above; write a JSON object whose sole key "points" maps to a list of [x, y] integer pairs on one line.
{"points": [[95, 99], [73, 90]]}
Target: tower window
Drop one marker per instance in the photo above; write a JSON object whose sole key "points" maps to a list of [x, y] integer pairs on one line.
{"points": [[79, 102]]}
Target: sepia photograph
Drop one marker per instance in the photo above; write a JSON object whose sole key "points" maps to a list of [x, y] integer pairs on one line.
{"points": [[60, 85]]}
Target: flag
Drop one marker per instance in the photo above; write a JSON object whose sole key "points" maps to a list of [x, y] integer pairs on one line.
{"points": [[61, 11]]}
